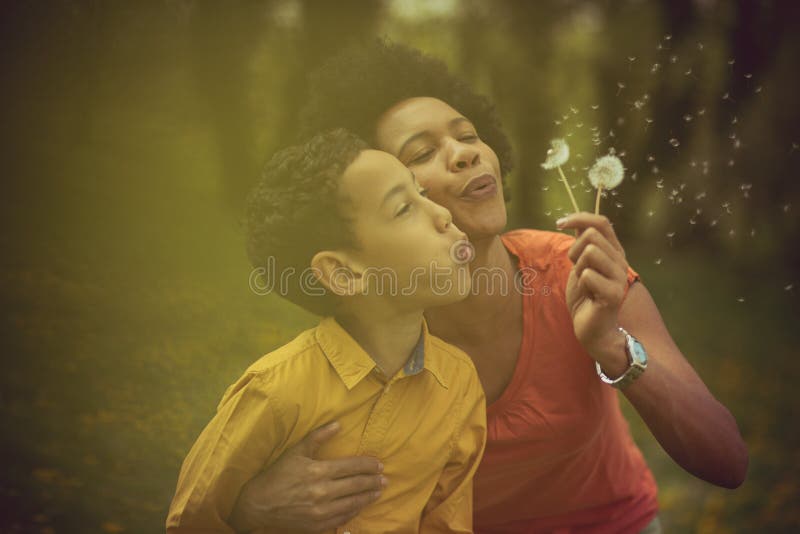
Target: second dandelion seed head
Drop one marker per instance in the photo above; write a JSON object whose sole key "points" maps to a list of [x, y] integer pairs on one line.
{"points": [[607, 172]]}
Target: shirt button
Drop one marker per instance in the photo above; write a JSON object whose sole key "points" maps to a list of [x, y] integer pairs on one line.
{"points": [[346, 532]]}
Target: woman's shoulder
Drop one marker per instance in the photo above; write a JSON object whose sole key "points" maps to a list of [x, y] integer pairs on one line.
{"points": [[538, 248]]}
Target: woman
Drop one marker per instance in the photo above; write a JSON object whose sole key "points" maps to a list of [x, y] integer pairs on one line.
{"points": [[559, 455]]}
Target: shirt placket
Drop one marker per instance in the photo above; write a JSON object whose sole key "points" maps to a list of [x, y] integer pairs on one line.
{"points": [[375, 430]]}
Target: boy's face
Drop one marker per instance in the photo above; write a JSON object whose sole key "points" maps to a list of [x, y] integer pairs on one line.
{"points": [[405, 241]]}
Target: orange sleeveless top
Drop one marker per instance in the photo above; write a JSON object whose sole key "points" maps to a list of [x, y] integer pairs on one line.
{"points": [[559, 455]]}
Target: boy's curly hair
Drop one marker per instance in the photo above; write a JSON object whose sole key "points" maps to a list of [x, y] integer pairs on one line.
{"points": [[352, 89], [296, 210]]}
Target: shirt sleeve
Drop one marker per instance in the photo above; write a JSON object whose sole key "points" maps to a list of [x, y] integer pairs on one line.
{"points": [[450, 507], [231, 450]]}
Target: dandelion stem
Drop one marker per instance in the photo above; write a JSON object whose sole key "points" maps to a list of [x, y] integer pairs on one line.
{"points": [[597, 200], [569, 189]]}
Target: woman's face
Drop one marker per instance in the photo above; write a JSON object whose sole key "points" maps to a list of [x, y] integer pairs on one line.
{"points": [[442, 147]]}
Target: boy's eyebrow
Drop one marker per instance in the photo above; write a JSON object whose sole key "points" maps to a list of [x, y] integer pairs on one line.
{"points": [[423, 133], [399, 188]]}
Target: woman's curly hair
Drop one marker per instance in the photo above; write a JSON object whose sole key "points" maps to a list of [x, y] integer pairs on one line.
{"points": [[355, 87], [296, 210]]}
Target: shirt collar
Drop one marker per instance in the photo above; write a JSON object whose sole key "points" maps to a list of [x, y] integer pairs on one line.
{"points": [[352, 363]]}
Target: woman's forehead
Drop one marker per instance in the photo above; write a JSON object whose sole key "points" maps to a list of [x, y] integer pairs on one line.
{"points": [[413, 116]]}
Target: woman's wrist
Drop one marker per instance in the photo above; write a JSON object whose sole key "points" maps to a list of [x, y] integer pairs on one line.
{"points": [[611, 354]]}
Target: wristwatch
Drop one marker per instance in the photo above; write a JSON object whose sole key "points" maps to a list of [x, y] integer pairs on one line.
{"points": [[637, 363]]}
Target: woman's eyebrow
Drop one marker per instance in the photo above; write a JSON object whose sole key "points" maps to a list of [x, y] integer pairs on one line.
{"points": [[423, 133], [411, 139], [459, 120]]}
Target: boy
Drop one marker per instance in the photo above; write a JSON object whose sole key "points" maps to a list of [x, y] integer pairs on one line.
{"points": [[330, 215]]}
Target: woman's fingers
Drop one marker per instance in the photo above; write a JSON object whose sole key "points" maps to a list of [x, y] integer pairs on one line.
{"points": [[350, 466], [336, 489], [594, 257], [337, 512], [599, 287], [584, 220]]}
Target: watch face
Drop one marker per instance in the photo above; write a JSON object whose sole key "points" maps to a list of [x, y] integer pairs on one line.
{"points": [[637, 352]]}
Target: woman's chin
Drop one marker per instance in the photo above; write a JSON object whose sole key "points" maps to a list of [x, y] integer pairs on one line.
{"points": [[484, 223]]}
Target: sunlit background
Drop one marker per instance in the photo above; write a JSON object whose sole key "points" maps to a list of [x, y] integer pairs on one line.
{"points": [[132, 130]]}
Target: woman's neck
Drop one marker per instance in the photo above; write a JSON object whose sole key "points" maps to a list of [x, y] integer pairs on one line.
{"points": [[490, 303]]}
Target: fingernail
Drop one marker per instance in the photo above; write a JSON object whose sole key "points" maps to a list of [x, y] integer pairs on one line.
{"points": [[384, 481], [561, 221], [380, 466]]}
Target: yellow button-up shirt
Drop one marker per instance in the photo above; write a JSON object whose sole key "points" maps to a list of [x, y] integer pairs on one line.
{"points": [[427, 424]]}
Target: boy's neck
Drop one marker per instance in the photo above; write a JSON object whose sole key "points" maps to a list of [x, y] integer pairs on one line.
{"points": [[479, 316], [389, 339]]}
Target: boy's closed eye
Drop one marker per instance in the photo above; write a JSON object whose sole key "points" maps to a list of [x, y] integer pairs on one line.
{"points": [[407, 206]]}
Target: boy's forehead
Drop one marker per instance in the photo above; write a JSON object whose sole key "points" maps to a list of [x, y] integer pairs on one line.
{"points": [[370, 175]]}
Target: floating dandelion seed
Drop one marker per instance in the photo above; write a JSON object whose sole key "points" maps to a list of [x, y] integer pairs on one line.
{"points": [[606, 173], [752, 232], [638, 104], [595, 107], [732, 233], [786, 208], [547, 213], [688, 72], [573, 110], [557, 155], [731, 163], [660, 183], [748, 75], [713, 222], [650, 213], [654, 68], [789, 287], [674, 142], [545, 188], [700, 196], [687, 118], [740, 299], [667, 37], [700, 46], [658, 261], [701, 111], [673, 59], [758, 89], [620, 86], [731, 62], [651, 158]]}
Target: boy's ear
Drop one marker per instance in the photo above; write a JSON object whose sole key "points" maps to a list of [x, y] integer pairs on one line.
{"points": [[338, 273]]}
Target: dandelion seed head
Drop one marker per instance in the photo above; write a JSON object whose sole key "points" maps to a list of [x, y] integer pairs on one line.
{"points": [[607, 172], [557, 154]]}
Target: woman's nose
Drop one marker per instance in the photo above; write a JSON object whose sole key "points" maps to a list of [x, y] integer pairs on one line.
{"points": [[463, 156]]}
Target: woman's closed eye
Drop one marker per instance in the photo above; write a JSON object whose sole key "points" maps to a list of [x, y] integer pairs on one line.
{"points": [[421, 156]]}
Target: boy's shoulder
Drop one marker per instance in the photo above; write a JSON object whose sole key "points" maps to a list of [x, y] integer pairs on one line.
{"points": [[276, 373], [303, 344]]}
